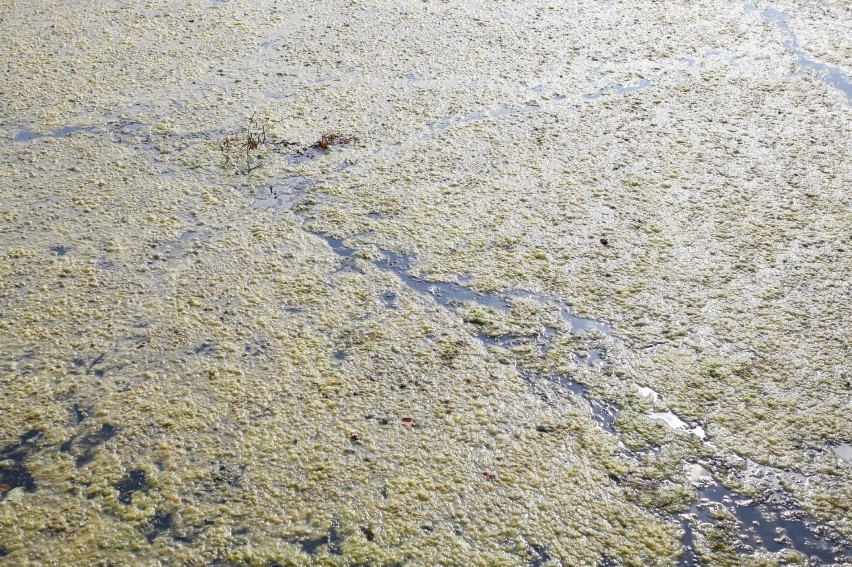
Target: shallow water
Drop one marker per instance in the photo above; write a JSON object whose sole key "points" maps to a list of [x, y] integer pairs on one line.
{"points": [[761, 526], [833, 76], [843, 451], [27, 135], [423, 283]]}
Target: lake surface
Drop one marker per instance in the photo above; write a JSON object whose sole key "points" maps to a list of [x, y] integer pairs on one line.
{"points": [[426, 283]]}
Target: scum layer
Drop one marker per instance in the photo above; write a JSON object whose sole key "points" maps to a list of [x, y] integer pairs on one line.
{"points": [[192, 380]]}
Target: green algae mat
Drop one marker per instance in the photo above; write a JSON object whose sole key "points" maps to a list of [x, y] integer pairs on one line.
{"points": [[425, 283]]}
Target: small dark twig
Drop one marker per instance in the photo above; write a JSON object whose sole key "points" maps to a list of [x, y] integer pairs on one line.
{"points": [[255, 137]]}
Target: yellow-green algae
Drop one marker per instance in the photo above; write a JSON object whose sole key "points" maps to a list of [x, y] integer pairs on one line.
{"points": [[319, 442], [206, 332], [820, 27], [721, 201]]}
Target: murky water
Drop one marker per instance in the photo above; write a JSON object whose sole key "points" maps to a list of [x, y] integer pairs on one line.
{"points": [[767, 526], [762, 526], [27, 135], [419, 283], [834, 76], [759, 526]]}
